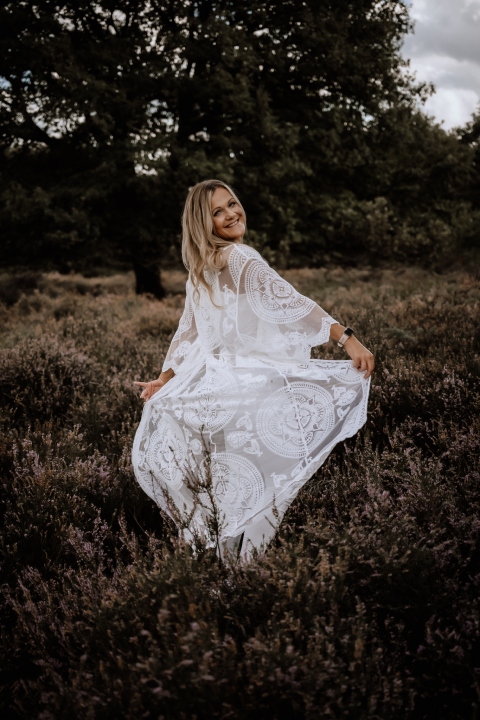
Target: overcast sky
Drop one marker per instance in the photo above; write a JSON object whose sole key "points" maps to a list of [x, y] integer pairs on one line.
{"points": [[445, 50]]}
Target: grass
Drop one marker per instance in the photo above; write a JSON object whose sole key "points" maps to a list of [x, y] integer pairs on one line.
{"points": [[365, 605]]}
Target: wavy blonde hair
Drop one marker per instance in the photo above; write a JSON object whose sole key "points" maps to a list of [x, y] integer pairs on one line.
{"points": [[201, 248]]}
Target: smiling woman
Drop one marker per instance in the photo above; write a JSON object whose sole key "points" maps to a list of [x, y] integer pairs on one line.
{"points": [[228, 216], [240, 407]]}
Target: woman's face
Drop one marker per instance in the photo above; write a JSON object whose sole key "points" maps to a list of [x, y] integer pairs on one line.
{"points": [[227, 215]]}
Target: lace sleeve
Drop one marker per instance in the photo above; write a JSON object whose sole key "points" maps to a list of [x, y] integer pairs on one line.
{"points": [[183, 339], [279, 314]]}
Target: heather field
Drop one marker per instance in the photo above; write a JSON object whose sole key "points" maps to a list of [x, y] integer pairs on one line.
{"points": [[365, 605]]}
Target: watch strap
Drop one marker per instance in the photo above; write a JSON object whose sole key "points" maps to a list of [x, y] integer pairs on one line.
{"points": [[348, 332]]}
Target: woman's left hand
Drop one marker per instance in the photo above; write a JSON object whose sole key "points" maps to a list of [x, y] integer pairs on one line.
{"points": [[362, 359]]}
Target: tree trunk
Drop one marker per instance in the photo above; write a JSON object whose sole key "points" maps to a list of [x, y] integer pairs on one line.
{"points": [[147, 279]]}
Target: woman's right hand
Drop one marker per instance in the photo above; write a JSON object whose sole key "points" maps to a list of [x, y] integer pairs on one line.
{"points": [[362, 359], [150, 388]]}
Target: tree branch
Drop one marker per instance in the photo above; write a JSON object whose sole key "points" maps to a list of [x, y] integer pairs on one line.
{"points": [[35, 131]]}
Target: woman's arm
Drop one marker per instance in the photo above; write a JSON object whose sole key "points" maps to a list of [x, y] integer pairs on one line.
{"points": [[182, 341], [362, 358], [296, 321]]}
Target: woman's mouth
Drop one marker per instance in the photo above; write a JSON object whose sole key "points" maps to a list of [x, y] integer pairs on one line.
{"points": [[232, 224]]}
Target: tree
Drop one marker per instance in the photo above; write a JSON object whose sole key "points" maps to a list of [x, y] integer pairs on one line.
{"points": [[470, 137], [281, 95], [111, 110], [79, 87]]}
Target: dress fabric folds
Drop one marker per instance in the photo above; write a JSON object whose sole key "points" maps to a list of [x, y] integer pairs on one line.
{"points": [[247, 405]]}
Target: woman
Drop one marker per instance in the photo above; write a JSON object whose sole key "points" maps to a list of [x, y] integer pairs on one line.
{"points": [[241, 417]]}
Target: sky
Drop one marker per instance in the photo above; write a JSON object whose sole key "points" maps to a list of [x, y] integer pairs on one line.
{"points": [[445, 50]]}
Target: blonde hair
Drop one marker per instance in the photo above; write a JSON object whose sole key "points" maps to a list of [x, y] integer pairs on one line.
{"points": [[201, 248]]}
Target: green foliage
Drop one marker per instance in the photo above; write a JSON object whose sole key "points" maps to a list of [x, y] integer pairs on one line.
{"points": [[470, 137], [365, 605], [111, 111]]}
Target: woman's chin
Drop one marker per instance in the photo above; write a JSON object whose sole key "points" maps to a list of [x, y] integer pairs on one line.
{"points": [[237, 233]]}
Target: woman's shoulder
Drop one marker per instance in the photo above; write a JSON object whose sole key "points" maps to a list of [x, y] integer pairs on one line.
{"points": [[240, 250], [248, 251], [238, 257]]}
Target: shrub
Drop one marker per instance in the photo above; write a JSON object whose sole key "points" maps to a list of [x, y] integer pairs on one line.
{"points": [[13, 285], [366, 603], [41, 378]]}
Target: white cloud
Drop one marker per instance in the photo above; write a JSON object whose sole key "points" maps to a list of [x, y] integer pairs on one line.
{"points": [[452, 108], [445, 50]]}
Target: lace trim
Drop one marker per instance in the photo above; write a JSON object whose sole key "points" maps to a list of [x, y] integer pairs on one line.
{"points": [[272, 298], [186, 320], [323, 334]]}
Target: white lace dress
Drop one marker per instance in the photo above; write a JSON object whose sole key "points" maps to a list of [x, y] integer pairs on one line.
{"points": [[248, 413]]}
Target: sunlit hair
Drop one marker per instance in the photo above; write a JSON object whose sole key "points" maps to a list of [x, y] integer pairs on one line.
{"points": [[201, 248]]}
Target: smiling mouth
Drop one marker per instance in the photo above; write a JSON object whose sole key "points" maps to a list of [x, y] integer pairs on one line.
{"points": [[232, 224]]}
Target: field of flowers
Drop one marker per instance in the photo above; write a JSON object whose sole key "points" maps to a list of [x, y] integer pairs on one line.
{"points": [[365, 605]]}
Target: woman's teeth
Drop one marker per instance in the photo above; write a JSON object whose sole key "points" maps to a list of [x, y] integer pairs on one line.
{"points": [[232, 224]]}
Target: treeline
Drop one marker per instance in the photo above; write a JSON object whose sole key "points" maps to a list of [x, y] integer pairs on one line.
{"points": [[112, 110]]}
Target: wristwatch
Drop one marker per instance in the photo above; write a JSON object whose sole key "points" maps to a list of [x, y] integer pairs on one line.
{"points": [[348, 332]]}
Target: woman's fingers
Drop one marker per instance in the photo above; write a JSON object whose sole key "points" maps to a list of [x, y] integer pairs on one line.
{"points": [[369, 365], [369, 369], [357, 362], [149, 388], [364, 363], [147, 391]]}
